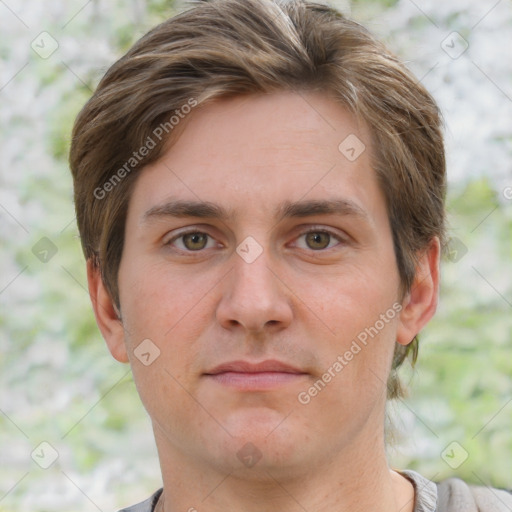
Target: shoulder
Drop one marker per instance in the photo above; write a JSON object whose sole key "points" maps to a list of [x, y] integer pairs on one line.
{"points": [[454, 495], [146, 505]]}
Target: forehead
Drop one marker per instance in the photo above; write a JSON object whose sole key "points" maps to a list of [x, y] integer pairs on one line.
{"points": [[256, 153]]}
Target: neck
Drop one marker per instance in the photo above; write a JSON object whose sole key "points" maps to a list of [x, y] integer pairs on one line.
{"points": [[354, 479]]}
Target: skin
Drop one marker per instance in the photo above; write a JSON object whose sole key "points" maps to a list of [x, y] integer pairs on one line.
{"points": [[302, 301]]}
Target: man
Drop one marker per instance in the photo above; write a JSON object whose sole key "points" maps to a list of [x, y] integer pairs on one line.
{"points": [[259, 189]]}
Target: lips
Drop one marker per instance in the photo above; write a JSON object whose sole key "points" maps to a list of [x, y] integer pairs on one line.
{"points": [[262, 376], [246, 367]]}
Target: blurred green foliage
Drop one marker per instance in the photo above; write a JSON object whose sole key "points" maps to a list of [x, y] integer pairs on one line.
{"points": [[459, 389]]}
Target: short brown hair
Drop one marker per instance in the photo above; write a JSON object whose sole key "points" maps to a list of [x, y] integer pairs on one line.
{"points": [[223, 48]]}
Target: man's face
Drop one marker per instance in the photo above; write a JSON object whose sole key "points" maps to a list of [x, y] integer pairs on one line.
{"points": [[280, 278]]}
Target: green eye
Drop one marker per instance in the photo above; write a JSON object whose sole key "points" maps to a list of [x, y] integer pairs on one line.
{"points": [[195, 241], [318, 239], [191, 241]]}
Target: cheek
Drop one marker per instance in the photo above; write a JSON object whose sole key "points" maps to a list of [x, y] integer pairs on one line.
{"points": [[170, 311], [351, 299], [362, 317], [158, 303]]}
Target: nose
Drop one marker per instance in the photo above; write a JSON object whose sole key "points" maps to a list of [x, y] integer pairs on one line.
{"points": [[255, 297]]}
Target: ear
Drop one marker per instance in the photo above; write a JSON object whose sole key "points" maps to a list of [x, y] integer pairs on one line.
{"points": [[419, 305], [110, 325]]}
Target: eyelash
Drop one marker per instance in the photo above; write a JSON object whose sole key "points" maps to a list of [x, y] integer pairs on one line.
{"points": [[334, 235]]}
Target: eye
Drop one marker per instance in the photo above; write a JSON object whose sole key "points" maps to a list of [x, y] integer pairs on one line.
{"points": [[319, 239], [195, 241], [191, 241]]}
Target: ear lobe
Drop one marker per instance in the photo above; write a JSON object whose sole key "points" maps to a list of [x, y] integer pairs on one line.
{"points": [[106, 314], [420, 304]]}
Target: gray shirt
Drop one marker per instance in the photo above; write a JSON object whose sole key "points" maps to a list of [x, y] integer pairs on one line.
{"points": [[450, 495]]}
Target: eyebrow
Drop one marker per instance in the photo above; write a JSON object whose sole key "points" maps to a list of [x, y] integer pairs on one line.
{"points": [[288, 209]]}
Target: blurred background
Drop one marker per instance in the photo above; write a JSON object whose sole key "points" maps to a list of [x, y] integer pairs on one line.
{"points": [[73, 434]]}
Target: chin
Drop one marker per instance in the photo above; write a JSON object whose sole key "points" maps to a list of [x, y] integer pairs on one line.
{"points": [[262, 441]]}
